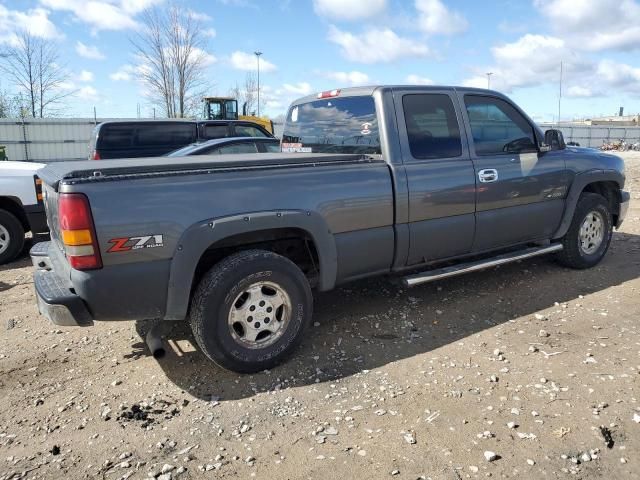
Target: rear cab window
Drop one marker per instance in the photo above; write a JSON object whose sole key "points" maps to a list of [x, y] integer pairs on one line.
{"points": [[432, 127], [333, 125]]}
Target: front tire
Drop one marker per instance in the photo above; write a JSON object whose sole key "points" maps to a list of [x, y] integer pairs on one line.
{"points": [[250, 311], [589, 235], [11, 237]]}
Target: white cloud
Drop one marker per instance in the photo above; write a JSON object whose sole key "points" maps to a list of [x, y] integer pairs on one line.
{"points": [[206, 58], [530, 61], [34, 21], [595, 24], [85, 76], [353, 78], [210, 32], [376, 45], [619, 76], [418, 80], [123, 74], [103, 14], [435, 18], [87, 93], [349, 9], [247, 61], [199, 16], [89, 51], [300, 88], [578, 91]]}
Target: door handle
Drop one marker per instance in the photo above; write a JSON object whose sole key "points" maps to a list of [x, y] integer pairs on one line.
{"points": [[488, 175]]}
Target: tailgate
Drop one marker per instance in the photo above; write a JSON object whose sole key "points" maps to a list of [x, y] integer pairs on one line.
{"points": [[50, 197]]}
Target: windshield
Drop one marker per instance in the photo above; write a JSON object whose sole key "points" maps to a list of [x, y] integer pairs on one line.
{"points": [[333, 125]]}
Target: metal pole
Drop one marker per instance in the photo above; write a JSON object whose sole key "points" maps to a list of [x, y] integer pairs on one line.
{"points": [[560, 93], [258, 57], [489, 80]]}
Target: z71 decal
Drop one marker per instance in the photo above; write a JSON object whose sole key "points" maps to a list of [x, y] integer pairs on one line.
{"points": [[126, 244]]}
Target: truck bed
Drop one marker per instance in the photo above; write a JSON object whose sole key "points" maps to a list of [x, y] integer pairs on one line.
{"points": [[100, 170]]}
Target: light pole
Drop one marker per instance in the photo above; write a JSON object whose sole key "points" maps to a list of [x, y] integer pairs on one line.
{"points": [[489, 80], [257, 54]]}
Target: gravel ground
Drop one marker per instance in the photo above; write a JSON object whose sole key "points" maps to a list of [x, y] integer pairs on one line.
{"points": [[529, 370]]}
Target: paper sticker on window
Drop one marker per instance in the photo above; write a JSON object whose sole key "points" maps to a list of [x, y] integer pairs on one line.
{"points": [[366, 128], [295, 148], [294, 114]]}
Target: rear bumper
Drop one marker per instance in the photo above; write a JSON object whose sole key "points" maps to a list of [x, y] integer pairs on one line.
{"points": [[624, 208], [56, 299]]}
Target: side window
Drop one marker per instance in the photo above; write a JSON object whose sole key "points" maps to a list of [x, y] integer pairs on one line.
{"points": [[214, 131], [497, 127], [248, 131], [248, 147], [272, 147], [432, 126]]}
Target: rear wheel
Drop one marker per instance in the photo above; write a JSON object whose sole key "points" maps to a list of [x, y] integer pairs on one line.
{"points": [[589, 235], [250, 310], [11, 237]]}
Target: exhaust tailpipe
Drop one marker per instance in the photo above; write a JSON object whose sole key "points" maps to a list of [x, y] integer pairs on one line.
{"points": [[154, 342]]}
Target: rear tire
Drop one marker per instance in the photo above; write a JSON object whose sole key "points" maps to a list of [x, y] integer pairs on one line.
{"points": [[589, 235], [250, 311], [11, 237]]}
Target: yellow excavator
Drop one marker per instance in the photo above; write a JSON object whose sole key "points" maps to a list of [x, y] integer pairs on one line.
{"points": [[226, 108]]}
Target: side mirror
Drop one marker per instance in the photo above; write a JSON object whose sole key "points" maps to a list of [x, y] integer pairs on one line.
{"points": [[554, 140]]}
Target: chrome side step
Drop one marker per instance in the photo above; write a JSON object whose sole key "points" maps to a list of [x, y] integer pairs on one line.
{"points": [[446, 272]]}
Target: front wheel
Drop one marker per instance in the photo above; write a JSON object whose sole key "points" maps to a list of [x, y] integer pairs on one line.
{"points": [[249, 312], [589, 235], [11, 237]]}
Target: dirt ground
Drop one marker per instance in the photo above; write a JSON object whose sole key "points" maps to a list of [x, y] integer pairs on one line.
{"points": [[531, 361]]}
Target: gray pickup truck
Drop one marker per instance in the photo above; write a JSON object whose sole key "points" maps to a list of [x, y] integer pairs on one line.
{"points": [[421, 182]]}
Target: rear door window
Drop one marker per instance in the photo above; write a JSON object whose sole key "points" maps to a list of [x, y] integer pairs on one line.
{"points": [[215, 131], [163, 134], [333, 125], [249, 131], [248, 147], [432, 126], [271, 147], [116, 136], [497, 127]]}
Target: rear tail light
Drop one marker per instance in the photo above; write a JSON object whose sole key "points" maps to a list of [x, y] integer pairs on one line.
{"points": [[78, 232], [329, 94], [95, 155], [38, 185]]}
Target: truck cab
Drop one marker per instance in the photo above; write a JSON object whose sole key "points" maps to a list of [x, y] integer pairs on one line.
{"points": [[21, 206]]}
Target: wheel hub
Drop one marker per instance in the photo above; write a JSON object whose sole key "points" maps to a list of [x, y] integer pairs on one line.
{"points": [[4, 238], [259, 315], [591, 233]]}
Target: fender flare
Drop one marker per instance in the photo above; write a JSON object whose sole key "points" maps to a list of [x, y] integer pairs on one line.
{"points": [[199, 237], [579, 183]]}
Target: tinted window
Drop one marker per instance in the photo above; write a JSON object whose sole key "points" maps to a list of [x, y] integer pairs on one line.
{"points": [[333, 125], [116, 136], [215, 131], [272, 147], [249, 131], [497, 127], [184, 151], [238, 148], [432, 127], [166, 134]]}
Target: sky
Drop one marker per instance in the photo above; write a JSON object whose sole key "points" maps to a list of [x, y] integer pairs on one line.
{"points": [[315, 45]]}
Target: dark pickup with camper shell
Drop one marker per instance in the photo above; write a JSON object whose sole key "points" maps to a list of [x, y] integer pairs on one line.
{"points": [[420, 182]]}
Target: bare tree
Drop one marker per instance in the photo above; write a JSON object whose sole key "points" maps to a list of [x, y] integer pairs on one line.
{"points": [[250, 93], [172, 53], [33, 65], [246, 94]]}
